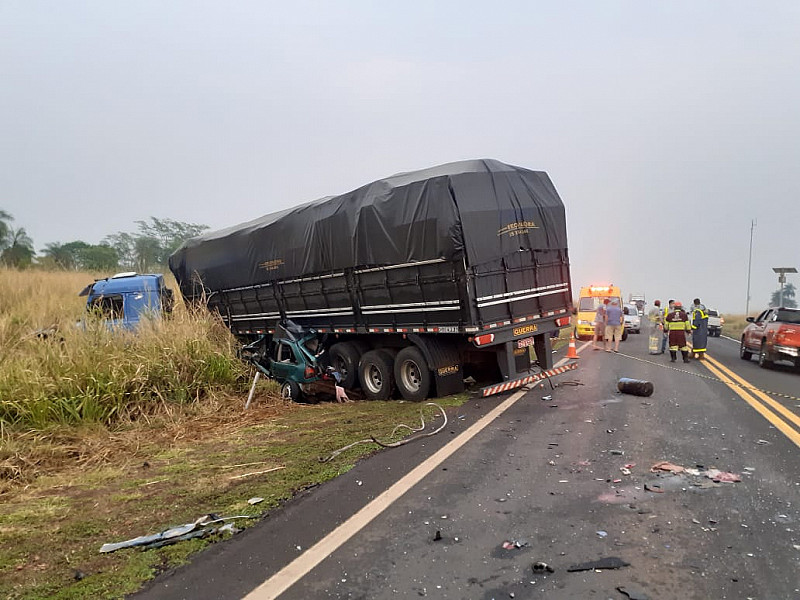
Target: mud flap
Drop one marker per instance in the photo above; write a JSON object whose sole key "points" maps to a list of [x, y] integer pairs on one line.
{"points": [[517, 383]]}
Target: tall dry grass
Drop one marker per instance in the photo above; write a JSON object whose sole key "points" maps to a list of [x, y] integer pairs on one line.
{"points": [[90, 374], [734, 325]]}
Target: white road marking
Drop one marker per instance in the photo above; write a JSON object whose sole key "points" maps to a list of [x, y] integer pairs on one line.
{"points": [[303, 564]]}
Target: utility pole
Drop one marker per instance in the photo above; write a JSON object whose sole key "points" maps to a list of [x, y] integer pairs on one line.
{"points": [[749, 265]]}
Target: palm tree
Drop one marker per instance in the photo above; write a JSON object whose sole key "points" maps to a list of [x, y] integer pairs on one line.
{"points": [[5, 228], [788, 297], [19, 251]]}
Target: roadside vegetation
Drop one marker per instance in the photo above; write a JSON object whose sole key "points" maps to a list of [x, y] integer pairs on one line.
{"points": [[108, 436], [734, 326]]}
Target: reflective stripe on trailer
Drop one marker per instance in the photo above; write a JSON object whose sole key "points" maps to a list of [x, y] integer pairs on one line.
{"points": [[515, 383]]}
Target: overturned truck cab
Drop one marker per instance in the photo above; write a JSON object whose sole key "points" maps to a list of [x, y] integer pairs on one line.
{"points": [[410, 283]]}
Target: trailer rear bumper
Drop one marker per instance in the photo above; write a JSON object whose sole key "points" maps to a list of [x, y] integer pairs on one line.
{"points": [[516, 383]]}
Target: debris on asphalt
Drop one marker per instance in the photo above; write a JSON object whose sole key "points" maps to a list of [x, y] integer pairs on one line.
{"points": [[611, 562], [542, 567], [633, 593], [617, 452], [602, 534], [763, 443], [547, 398], [373, 440], [625, 470], [667, 466], [715, 475], [722, 476], [637, 387], [255, 500], [199, 528], [653, 488], [514, 544], [438, 535]]}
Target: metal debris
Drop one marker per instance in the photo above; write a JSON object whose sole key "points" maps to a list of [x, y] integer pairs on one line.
{"points": [[199, 528], [611, 562], [373, 439], [633, 593], [541, 567]]}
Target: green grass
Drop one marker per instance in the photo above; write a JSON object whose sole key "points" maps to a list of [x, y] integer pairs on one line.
{"points": [[56, 525], [107, 436]]}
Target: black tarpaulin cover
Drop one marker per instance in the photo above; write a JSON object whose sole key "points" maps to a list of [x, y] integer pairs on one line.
{"points": [[481, 209]]}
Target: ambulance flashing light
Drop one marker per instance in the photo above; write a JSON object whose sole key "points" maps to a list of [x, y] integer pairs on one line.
{"points": [[601, 289]]}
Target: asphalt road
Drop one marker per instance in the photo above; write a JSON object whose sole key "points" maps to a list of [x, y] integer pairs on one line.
{"points": [[547, 474]]}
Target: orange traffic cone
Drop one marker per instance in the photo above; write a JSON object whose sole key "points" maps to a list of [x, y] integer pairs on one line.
{"points": [[571, 351]]}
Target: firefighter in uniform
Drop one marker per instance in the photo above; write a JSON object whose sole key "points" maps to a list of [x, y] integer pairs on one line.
{"points": [[667, 309], [656, 316], [699, 329], [677, 326]]}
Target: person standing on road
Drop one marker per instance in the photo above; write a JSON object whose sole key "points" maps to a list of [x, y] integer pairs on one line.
{"points": [[656, 317], [599, 324], [614, 324], [678, 326], [667, 309], [699, 329]]}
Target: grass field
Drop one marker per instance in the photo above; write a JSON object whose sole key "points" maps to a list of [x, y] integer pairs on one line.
{"points": [[105, 437], [734, 326]]}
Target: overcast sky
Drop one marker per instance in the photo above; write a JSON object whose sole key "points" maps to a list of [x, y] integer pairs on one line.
{"points": [[666, 126]]}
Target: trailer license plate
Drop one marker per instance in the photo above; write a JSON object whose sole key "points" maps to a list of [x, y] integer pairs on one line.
{"points": [[525, 343]]}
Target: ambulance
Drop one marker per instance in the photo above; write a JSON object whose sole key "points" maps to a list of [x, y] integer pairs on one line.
{"points": [[590, 298]]}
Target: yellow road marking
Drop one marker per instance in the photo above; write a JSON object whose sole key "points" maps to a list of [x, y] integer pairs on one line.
{"points": [[773, 403], [303, 564], [765, 412]]}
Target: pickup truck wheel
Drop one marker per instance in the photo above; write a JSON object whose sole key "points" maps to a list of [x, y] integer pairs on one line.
{"points": [[376, 375], [763, 357], [290, 390], [744, 353], [344, 359], [412, 375]]}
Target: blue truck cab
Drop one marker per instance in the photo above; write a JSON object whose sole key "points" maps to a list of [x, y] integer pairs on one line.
{"points": [[126, 298]]}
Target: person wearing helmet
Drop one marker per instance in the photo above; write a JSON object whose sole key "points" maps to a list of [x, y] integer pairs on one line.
{"points": [[667, 309], [677, 325], [699, 329], [656, 317]]}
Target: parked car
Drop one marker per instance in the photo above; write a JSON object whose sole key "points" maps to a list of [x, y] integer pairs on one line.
{"points": [[715, 322], [633, 320], [774, 335]]}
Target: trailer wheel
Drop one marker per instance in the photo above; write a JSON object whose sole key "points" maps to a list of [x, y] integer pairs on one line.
{"points": [[376, 375], [411, 374], [344, 358], [290, 390]]}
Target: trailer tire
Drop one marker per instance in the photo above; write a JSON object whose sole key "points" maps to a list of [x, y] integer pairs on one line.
{"points": [[376, 375], [344, 358], [412, 374], [290, 390]]}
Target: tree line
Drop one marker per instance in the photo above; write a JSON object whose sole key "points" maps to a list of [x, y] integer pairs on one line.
{"points": [[146, 249]]}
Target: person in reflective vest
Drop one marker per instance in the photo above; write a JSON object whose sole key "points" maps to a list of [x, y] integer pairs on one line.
{"points": [[699, 329], [656, 316], [667, 309], [677, 326]]}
